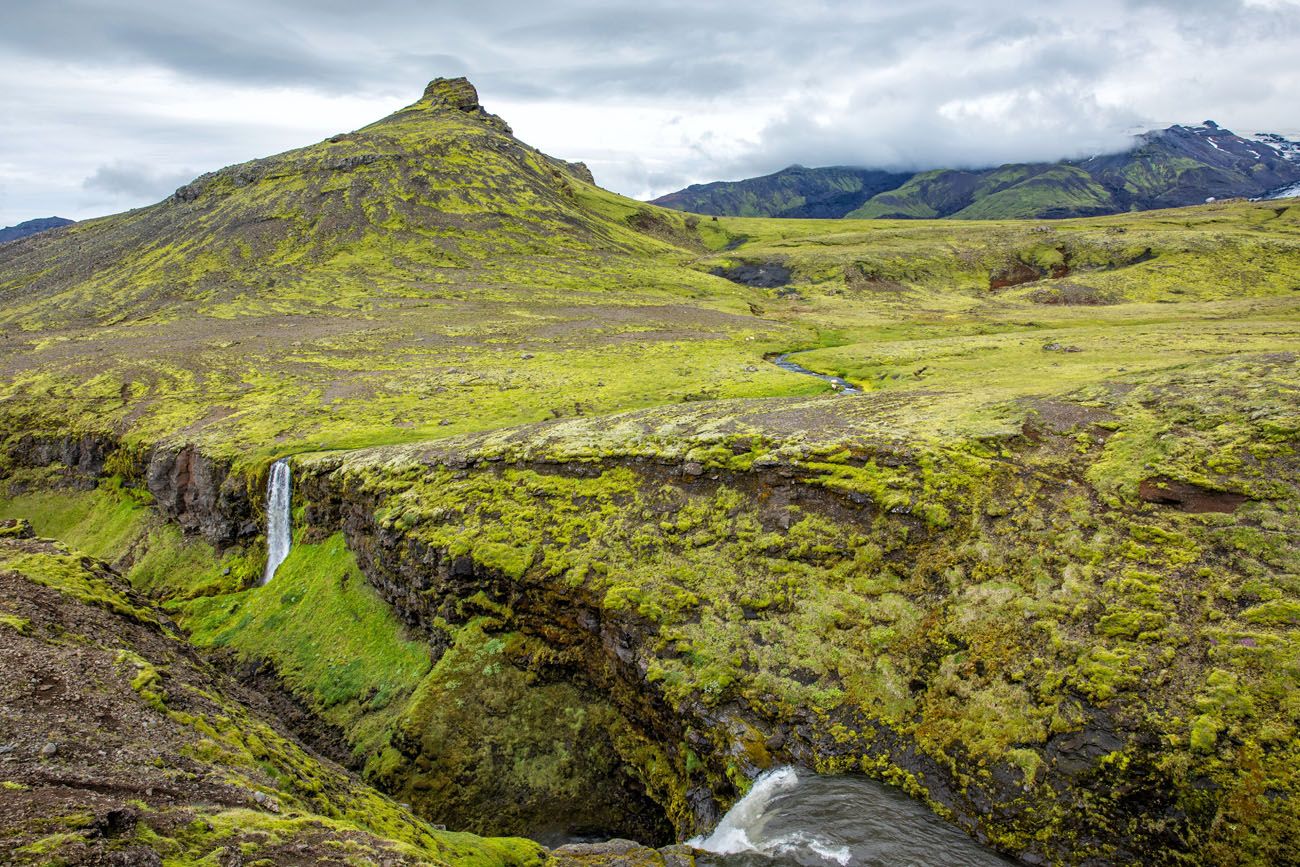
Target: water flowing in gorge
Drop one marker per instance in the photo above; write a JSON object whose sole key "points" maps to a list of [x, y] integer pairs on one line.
{"points": [[279, 496], [797, 818]]}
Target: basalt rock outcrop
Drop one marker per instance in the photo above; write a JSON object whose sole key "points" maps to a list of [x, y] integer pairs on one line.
{"points": [[197, 491]]}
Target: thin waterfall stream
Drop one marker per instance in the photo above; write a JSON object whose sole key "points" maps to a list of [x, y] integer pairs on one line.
{"points": [[279, 535]]}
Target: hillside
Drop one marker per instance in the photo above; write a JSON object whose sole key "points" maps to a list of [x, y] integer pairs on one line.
{"points": [[572, 558], [130, 749], [792, 192], [1168, 168]]}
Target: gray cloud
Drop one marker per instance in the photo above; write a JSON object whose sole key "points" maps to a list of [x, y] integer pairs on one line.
{"points": [[134, 180], [130, 94]]}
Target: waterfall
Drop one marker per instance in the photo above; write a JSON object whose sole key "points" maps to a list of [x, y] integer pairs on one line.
{"points": [[740, 829], [279, 496]]}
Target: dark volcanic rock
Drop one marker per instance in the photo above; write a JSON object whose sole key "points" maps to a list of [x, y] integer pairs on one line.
{"points": [[1188, 497], [200, 494], [1013, 274], [581, 171]]}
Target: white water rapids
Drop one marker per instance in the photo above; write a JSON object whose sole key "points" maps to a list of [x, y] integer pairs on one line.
{"points": [[279, 537], [796, 818]]}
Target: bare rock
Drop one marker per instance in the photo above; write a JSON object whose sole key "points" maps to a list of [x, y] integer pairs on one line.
{"points": [[454, 93]]}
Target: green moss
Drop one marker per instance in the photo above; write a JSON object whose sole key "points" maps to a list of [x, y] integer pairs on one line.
{"points": [[331, 637], [1276, 612], [102, 523], [147, 681], [69, 573], [21, 625], [50, 844]]}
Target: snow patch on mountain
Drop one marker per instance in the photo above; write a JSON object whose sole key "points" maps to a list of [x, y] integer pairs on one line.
{"points": [[1287, 193], [1286, 148]]}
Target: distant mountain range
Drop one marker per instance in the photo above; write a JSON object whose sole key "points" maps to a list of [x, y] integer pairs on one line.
{"points": [[31, 227], [1181, 165]]}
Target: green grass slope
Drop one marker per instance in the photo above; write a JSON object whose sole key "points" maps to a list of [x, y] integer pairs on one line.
{"points": [[792, 192], [1009, 192], [196, 774]]}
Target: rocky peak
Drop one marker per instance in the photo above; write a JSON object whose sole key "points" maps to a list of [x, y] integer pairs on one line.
{"points": [[456, 93]]}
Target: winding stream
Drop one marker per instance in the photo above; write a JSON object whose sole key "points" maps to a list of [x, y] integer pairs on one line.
{"points": [[797, 818], [842, 385]]}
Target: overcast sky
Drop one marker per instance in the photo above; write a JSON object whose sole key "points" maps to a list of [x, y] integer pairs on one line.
{"points": [[111, 104]]}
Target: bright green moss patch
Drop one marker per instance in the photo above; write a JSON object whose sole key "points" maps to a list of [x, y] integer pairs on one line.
{"points": [[103, 523], [1278, 612], [252, 832], [171, 565], [329, 634], [12, 621]]}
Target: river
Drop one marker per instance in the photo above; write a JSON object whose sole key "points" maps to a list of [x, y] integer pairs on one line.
{"points": [[796, 818], [842, 385]]}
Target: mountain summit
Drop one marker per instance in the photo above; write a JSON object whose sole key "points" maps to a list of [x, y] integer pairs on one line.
{"points": [[438, 190], [1181, 165]]}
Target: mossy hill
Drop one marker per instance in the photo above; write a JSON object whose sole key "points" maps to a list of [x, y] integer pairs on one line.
{"points": [[572, 556], [792, 192], [1168, 168]]}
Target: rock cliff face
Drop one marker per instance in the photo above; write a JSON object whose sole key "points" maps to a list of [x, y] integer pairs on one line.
{"points": [[196, 491], [200, 494], [578, 638]]}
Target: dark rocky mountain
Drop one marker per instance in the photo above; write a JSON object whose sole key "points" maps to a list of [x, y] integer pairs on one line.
{"points": [[31, 227], [1181, 165]]}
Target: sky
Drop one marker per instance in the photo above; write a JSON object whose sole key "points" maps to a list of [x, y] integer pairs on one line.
{"points": [[112, 104]]}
